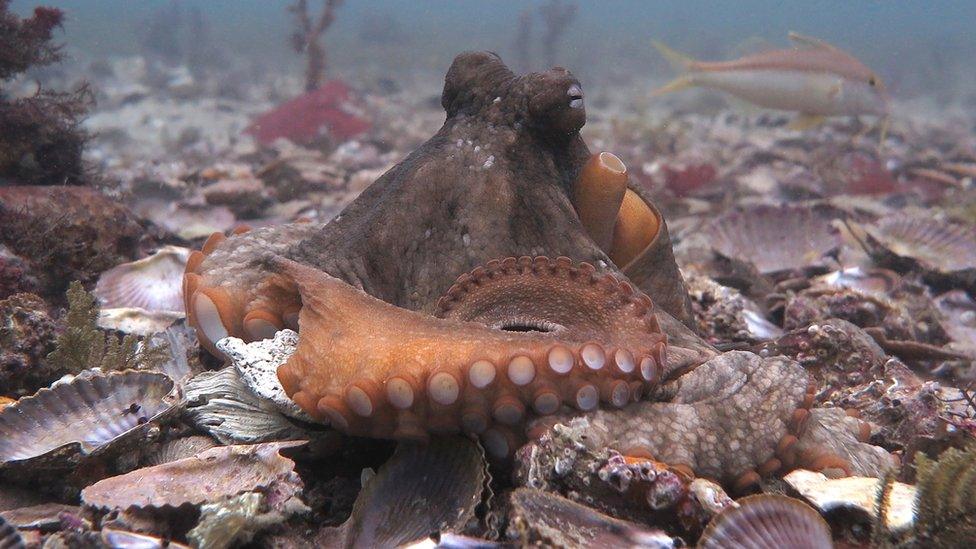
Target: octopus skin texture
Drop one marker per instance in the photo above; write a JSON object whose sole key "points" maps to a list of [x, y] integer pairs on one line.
{"points": [[736, 419], [572, 298]]}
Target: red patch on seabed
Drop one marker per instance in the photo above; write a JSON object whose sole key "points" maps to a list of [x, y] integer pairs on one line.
{"points": [[303, 119], [870, 176], [685, 180]]}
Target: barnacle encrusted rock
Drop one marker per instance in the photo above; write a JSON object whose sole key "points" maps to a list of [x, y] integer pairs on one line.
{"points": [[27, 335]]}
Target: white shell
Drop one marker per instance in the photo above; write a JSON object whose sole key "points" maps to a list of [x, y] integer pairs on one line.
{"points": [[154, 283], [258, 364], [855, 493]]}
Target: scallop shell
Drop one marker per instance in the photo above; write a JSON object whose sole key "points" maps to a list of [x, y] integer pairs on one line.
{"points": [[545, 519], [154, 283], [209, 476], [767, 521], [423, 488], [9, 536], [939, 247], [83, 417], [777, 239]]}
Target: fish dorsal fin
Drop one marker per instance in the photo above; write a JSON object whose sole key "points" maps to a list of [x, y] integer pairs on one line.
{"points": [[751, 46], [802, 41]]}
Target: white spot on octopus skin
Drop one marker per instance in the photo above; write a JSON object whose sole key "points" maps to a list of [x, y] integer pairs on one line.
{"points": [[466, 239]]}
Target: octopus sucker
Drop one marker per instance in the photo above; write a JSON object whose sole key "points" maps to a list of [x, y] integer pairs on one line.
{"points": [[597, 195], [370, 368]]}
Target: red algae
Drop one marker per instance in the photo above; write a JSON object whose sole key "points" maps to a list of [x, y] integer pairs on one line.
{"points": [[304, 118]]}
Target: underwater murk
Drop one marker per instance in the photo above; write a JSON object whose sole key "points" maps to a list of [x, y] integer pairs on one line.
{"points": [[487, 274]]}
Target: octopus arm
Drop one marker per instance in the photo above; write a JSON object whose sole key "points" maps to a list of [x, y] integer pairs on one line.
{"points": [[737, 418]]}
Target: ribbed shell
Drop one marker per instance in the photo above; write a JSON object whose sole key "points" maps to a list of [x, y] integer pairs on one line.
{"points": [[776, 239], [83, 416], [423, 488], [9, 536], [154, 283], [767, 521], [180, 448], [206, 477], [936, 245]]}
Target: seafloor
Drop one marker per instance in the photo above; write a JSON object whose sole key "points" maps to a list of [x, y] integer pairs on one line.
{"points": [[858, 262]]}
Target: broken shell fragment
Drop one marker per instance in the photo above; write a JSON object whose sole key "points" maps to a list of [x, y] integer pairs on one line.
{"points": [[234, 521], [767, 521], [154, 283], [777, 239], [258, 364], [857, 494], [546, 519], [209, 476], [86, 416]]}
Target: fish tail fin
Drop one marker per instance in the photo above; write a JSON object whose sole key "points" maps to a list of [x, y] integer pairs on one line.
{"points": [[679, 61], [679, 83], [883, 132]]}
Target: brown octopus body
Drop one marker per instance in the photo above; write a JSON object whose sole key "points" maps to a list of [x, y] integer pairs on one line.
{"points": [[393, 344]]}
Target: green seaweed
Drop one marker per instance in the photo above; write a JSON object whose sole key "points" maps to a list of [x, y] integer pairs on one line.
{"points": [[945, 503], [83, 346]]}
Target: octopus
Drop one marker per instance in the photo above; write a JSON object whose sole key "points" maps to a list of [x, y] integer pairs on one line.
{"points": [[497, 274]]}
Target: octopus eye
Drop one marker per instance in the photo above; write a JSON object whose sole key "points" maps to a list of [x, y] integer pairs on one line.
{"points": [[575, 93]]}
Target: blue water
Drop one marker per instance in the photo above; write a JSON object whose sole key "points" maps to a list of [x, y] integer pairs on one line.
{"points": [[892, 37]]}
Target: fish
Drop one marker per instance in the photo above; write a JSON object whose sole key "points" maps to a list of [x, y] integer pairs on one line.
{"points": [[814, 79]]}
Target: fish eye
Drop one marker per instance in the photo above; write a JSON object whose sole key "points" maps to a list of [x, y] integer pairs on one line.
{"points": [[872, 81]]}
